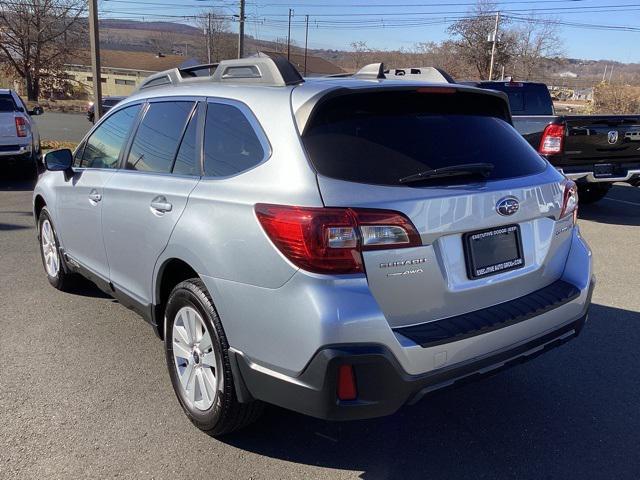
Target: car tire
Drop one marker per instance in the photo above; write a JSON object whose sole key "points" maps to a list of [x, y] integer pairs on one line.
{"points": [[197, 357], [592, 192], [52, 260]]}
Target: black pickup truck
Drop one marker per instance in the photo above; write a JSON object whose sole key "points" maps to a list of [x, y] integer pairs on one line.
{"points": [[593, 150]]}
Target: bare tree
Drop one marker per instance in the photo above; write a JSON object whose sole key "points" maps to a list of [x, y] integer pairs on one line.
{"points": [[534, 41], [215, 28], [37, 37], [163, 42], [360, 53], [472, 35]]}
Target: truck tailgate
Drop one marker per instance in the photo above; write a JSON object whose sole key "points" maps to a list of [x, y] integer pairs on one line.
{"points": [[609, 139]]}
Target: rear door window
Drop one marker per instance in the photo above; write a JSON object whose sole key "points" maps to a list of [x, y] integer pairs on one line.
{"points": [[156, 141], [526, 98], [382, 137], [7, 104], [186, 162], [231, 145], [102, 149]]}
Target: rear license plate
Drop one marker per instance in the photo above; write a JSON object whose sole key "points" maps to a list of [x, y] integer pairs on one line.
{"points": [[602, 170], [493, 251]]}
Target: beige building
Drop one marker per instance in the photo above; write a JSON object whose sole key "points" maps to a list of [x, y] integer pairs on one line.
{"points": [[122, 71]]}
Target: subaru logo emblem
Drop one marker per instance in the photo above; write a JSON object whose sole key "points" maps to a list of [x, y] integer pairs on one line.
{"points": [[612, 137], [507, 206]]}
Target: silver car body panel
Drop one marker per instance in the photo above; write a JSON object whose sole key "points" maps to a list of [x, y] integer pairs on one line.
{"points": [[278, 315]]}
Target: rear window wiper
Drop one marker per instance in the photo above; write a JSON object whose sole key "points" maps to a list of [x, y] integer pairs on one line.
{"points": [[465, 169]]}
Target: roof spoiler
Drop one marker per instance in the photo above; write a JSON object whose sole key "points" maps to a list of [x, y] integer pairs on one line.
{"points": [[377, 71], [261, 69]]}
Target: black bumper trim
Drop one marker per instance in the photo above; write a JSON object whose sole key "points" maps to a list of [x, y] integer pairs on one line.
{"points": [[383, 386], [492, 318]]}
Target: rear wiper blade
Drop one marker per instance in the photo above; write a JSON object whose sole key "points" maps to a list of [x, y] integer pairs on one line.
{"points": [[465, 169]]}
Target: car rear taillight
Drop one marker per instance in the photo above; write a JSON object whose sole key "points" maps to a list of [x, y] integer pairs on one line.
{"points": [[346, 383], [21, 127], [552, 140], [570, 200], [330, 240]]}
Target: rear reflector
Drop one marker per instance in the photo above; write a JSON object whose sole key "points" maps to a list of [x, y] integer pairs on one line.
{"points": [[330, 240], [436, 90], [21, 127], [552, 140], [346, 383]]}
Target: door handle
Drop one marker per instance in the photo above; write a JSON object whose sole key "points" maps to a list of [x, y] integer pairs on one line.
{"points": [[94, 196], [160, 205]]}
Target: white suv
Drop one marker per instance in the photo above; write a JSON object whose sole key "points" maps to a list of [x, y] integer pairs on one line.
{"points": [[19, 138]]}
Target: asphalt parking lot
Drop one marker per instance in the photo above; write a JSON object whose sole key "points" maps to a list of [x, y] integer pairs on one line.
{"points": [[65, 127], [84, 391]]}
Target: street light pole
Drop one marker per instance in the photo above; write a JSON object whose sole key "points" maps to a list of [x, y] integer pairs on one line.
{"points": [[94, 43], [209, 37], [289, 36], [493, 47], [306, 42]]}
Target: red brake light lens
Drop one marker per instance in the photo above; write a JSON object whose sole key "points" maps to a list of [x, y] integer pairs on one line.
{"points": [[21, 127], [570, 200], [552, 140], [330, 240], [346, 383]]}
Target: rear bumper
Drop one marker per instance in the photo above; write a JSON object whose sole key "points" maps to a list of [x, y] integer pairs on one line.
{"points": [[589, 176], [15, 152], [382, 384]]}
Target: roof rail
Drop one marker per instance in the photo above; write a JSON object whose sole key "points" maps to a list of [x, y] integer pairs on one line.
{"points": [[376, 71], [261, 69]]}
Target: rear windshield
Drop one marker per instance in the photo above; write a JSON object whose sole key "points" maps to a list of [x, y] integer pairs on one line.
{"points": [[380, 138], [525, 98], [7, 104]]}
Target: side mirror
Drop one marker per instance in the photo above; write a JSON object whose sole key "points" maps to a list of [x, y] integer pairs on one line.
{"points": [[37, 110], [58, 160]]}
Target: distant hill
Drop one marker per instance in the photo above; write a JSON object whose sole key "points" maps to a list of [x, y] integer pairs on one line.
{"points": [[178, 38], [153, 26]]}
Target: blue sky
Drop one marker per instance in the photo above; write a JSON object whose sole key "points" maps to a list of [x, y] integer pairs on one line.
{"points": [[391, 24]]}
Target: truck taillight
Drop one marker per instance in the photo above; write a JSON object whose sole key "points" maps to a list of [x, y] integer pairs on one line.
{"points": [[552, 140], [21, 127], [570, 200], [331, 240]]}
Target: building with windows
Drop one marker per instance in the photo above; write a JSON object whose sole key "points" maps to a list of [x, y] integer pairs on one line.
{"points": [[122, 71]]}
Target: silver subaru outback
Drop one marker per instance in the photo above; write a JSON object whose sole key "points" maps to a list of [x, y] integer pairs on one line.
{"points": [[337, 246]]}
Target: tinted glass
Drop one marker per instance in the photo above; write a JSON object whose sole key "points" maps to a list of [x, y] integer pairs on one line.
{"points": [[381, 137], [525, 98], [230, 142], [103, 147], [7, 104], [156, 141], [187, 158]]}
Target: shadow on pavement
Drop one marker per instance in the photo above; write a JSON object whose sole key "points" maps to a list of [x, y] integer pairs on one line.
{"points": [[13, 183], [572, 413], [620, 207]]}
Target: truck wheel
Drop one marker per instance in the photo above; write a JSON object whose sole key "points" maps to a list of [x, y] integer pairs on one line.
{"points": [[592, 192], [50, 251], [198, 361]]}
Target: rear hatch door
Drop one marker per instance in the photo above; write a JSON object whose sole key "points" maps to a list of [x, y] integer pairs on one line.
{"points": [[362, 144], [7, 116]]}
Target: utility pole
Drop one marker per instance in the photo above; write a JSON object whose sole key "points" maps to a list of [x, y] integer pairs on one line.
{"points": [[241, 31], [94, 43], [604, 75], [611, 73], [209, 37], [289, 36], [493, 47], [306, 42]]}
